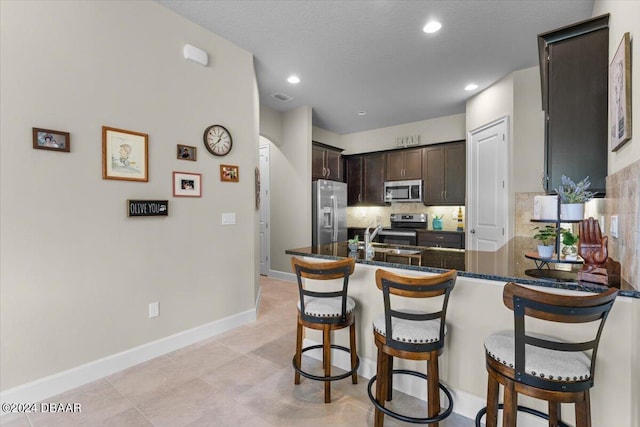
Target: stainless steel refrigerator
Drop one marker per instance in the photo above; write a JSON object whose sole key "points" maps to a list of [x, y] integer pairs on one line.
{"points": [[329, 212]]}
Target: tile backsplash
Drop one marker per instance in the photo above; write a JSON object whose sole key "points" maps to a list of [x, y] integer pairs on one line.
{"points": [[370, 216]]}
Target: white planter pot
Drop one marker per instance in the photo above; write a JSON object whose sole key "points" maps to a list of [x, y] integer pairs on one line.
{"points": [[572, 211], [545, 251]]}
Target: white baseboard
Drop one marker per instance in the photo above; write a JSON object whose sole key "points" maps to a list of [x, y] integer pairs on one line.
{"points": [[465, 404], [52, 385], [290, 277]]}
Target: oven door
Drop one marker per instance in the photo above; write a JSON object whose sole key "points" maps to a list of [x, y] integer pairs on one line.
{"points": [[398, 237]]}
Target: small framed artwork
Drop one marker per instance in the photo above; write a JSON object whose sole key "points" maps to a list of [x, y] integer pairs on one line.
{"points": [[229, 173], [186, 184], [125, 155], [187, 152], [47, 139], [620, 94]]}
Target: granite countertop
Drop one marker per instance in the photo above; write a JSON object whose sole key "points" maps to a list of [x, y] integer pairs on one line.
{"points": [[507, 264]]}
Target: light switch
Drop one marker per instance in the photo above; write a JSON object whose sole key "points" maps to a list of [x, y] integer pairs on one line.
{"points": [[228, 218], [614, 226]]}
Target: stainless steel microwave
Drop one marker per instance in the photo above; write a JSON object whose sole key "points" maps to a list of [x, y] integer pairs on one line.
{"points": [[403, 191]]}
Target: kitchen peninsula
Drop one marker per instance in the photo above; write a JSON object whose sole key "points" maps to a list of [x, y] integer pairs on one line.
{"points": [[506, 265], [476, 310]]}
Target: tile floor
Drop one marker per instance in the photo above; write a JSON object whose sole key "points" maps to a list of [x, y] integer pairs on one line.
{"points": [[240, 378]]}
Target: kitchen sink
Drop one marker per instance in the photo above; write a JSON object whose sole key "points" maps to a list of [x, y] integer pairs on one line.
{"points": [[398, 251]]}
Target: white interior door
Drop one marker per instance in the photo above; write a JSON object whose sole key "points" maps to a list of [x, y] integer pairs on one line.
{"points": [[487, 186], [264, 210]]}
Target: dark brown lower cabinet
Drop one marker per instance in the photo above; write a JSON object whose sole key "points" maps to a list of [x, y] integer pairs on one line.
{"points": [[441, 239]]}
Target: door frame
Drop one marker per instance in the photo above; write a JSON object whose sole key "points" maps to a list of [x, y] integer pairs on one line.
{"points": [[508, 210], [265, 210]]}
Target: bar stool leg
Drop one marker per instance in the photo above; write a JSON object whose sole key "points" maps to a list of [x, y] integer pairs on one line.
{"points": [[433, 389], [509, 414], [382, 377], [389, 377], [298, 352], [583, 411], [354, 354], [326, 361], [493, 389], [554, 413]]}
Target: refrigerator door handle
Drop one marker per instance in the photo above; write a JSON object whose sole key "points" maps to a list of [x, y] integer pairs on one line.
{"points": [[334, 237]]}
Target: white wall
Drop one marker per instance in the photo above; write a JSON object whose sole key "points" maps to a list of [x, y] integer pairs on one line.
{"points": [[291, 188], [528, 131], [624, 18], [77, 275], [432, 131], [326, 137], [271, 124]]}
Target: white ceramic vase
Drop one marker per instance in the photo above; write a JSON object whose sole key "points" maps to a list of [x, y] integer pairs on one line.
{"points": [[545, 251], [572, 211]]}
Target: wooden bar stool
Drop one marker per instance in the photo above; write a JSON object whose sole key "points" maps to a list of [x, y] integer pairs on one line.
{"points": [[410, 334], [540, 366], [326, 311]]}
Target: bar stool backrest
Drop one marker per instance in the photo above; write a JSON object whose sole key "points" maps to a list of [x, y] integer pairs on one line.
{"points": [[555, 308], [415, 287], [323, 271]]}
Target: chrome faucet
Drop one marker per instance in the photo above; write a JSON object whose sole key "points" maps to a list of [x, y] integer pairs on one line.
{"points": [[368, 237]]}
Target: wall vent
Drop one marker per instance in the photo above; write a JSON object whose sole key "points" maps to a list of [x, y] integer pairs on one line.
{"points": [[282, 97]]}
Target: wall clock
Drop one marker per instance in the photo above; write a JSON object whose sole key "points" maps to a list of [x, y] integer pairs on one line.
{"points": [[217, 140]]}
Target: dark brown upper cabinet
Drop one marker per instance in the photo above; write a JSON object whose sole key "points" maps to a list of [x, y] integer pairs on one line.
{"points": [[404, 164], [444, 174], [365, 176], [574, 77], [326, 162]]}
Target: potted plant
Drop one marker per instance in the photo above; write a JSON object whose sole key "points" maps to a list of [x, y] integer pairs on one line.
{"points": [[546, 236], [569, 241], [353, 243], [573, 196]]}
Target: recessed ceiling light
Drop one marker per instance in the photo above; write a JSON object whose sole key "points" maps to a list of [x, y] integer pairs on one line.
{"points": [[362, 113], [432, 27], [471, 86], [293, 80]]}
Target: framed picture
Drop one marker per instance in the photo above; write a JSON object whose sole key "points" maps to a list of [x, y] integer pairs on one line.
{"points": [[186, 184], [187, 152], [229, 173], [125, 155], [47, 139], [620, 94]]}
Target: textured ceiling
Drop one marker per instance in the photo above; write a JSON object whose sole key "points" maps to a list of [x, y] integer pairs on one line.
{"points": [[373, 56]]}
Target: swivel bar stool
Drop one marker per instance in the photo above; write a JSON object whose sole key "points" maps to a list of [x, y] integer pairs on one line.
{"points": [[540, 366], [410, 334], [326, 311]]}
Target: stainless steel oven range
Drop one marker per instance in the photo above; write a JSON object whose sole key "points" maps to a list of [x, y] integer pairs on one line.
{"points": [[403, 230]]}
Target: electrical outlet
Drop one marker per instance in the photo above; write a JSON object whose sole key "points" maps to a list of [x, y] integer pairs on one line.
{"points": [[154, 309], [614, 226]]}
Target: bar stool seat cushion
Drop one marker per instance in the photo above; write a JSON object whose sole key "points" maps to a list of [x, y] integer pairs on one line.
{"points": [[326, 307], [411, 331], [562, 366]]}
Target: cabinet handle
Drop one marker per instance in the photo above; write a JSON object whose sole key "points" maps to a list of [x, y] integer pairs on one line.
{"points": [[472, 231], [442, 194], [328, 172], [445, 194]]}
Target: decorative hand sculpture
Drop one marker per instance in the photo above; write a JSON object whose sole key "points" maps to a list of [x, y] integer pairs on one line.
{"points": [[592, 246]]}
